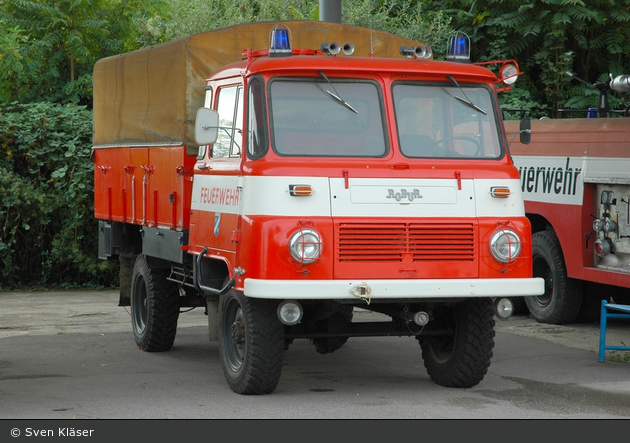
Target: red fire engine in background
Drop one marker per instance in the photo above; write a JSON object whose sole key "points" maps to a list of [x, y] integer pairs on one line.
{"points": [[575, 178], [281, 188]]}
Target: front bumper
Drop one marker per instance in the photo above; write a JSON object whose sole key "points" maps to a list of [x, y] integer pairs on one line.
{"points": [[393, 289]]}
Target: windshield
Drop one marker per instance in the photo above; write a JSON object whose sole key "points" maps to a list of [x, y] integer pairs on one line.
{"points": [[327, 117], [445, 120]]}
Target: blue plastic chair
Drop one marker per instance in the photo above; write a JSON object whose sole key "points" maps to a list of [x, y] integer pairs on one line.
{"points": [[610, 310]]}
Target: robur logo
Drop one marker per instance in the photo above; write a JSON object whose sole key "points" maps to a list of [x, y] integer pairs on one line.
{"points": [[404, 194]]}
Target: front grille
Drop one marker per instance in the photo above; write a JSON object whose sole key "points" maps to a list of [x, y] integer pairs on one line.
{"points": [[392, 242]]}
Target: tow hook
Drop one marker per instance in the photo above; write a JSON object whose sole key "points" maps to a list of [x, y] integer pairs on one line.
{"points": [[362, 291]]}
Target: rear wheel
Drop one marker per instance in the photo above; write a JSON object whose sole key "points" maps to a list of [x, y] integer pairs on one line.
{"points": [[560, 304], [460, 358], [335, 322], [251, 343], [154, 307]]}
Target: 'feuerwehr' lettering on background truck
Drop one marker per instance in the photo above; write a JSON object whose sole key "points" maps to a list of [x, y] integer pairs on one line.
{"points": [[551, 179]]}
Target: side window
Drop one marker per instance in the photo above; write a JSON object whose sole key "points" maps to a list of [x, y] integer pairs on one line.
{"points": [[257, 139], [230, 108]]}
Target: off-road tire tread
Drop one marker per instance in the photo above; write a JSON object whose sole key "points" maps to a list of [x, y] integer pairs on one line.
{"points": [[567, 294], [474, 342], [264, 355], [163, 309]]}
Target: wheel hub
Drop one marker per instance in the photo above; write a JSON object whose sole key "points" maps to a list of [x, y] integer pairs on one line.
{"points": [[236, 333]]}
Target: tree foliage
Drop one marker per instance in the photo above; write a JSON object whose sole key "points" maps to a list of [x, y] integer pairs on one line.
{"points": [[48, 235], [52, 45], [548, 38], [407, 18], [48, 48]]}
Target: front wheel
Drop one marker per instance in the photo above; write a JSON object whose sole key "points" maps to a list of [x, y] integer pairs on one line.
{"points": [[561, 302], [251, 343], [154, 307], [460, 356]]}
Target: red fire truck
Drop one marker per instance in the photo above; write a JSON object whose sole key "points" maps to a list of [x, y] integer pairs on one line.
{"points": [[284, 185], [575, 178]]}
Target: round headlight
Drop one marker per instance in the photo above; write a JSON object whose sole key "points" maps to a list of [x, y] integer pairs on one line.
{"points": [[305, 245], [505, 245], [503, 308], [290, 312]]}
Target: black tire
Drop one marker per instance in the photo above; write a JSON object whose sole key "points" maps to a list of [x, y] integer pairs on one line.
{"points": [[560, 304], [251, 343], [461, 358], [154, 307]]}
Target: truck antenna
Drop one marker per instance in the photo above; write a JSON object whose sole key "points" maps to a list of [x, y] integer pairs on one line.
{"points": [[371, 54]]}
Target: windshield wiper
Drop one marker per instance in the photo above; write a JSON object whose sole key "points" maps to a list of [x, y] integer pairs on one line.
{"points": [[466, 100], [335, 95]]}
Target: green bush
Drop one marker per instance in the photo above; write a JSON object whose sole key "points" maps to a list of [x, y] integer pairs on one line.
{"points": [[48, 233]]}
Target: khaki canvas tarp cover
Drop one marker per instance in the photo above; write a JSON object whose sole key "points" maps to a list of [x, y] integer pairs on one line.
{"points": [[151, 96]]}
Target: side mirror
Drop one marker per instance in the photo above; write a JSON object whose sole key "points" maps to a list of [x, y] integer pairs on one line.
{"points": [[525, 131], [206, 126]]}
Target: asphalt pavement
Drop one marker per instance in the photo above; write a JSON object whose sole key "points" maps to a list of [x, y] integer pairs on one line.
{"points": [[71, 355], [59, 312]]}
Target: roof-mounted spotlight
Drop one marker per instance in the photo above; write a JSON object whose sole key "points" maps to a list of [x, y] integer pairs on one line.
{"points": [[621, 83], [508, 74], [420, 51], [458, 48], [280, 41]]}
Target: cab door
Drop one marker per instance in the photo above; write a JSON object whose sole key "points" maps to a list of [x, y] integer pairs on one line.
{"points": [[216, 199]]}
